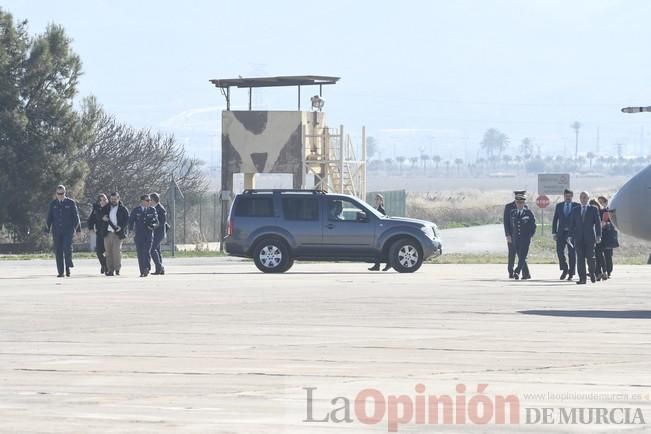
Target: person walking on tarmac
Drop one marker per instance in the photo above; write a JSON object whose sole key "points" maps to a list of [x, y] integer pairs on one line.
{"points": [[144, 219], [96, 223], [561, 233], [63, 221], [507, 232], [523, 228], [159, 234], [379, 205]]}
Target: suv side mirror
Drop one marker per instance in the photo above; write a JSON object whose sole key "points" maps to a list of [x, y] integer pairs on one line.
{"points": [[362, 217]]}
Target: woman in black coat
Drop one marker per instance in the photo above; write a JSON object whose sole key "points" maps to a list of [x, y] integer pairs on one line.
{"points": [[608, 237]]}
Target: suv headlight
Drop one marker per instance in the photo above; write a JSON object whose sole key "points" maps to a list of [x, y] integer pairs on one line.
{"points": [[428, 231]]}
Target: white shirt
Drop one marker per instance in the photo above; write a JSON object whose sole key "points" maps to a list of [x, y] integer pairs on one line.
{"points": [[113, 217]]}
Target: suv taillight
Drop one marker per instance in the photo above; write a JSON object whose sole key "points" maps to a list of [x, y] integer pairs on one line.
{"points": [[230, 227]]}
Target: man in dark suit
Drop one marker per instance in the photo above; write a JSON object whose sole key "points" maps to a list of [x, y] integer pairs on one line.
{"points": [[523, 228], [63, 221], [507, 231], [585, 233], [561, 231], [159, 234]]}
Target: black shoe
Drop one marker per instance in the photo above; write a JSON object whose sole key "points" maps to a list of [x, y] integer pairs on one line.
{"points": [[564, 274], [593, 278], [102, 270], [117, 272], [516, 276], [67, 273], [604, 276], [581, 282], [375, 267], [386, 267], [570, 277], [60, 275], [510, 275], [527, 277], [162, 271], [109, 273], [142, 275], [155, 273], [599, 277]]}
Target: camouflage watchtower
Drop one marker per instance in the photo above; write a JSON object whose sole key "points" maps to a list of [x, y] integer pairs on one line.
{"points": [[289, 142]]}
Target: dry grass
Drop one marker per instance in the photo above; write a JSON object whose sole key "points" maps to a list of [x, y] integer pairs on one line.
{"points": [[449, 209]]}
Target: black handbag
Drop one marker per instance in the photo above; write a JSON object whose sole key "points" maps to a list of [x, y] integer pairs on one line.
{"points": [[611, 237]]}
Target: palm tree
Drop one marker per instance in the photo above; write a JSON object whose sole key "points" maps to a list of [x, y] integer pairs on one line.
{"points": [[576, 126], [507, 160], [458, 162], [388, 163], [425, 158], [590, 156], [494, 140], [400, 159], [437, 160], [413, 161], [526, 148]]}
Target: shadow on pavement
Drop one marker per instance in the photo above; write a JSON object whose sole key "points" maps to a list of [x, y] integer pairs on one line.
{"points": [[617, 314]]}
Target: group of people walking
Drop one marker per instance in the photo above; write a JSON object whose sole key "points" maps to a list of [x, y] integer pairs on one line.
{"points": [[111, 222], [585, 237]]}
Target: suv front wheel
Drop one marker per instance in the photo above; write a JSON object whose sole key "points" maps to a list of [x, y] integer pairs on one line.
{"points": [[272, 256], [405, 255]]}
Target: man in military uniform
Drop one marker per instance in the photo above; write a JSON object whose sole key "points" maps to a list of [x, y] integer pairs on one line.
{"points": [[507, 231], [144, 219], [585, 234], [523, 227], [63, 221], [159, 234], [561, 233]]}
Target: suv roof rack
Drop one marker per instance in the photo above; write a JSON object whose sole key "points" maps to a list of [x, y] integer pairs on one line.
{"points": [[281, 190]]}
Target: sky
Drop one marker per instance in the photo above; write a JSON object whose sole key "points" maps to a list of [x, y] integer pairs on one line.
{"points": [[421, 76]]}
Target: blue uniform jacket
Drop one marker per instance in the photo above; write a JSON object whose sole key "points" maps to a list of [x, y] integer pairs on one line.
{"points": [[144, 220], [62, 216], [522, 226]]}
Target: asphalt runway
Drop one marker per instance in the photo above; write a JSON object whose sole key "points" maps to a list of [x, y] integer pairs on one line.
{"points": [[215, 346]]}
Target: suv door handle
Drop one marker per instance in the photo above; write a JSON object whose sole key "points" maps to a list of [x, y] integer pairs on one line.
{"points": [[330, 226]]}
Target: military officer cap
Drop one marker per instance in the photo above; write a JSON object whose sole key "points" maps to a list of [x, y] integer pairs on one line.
{"points": [[520, 195], [520, 192]]}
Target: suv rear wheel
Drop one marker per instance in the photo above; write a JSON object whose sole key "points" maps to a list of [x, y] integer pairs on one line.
{"points": [[405, 255], [272, 256]]}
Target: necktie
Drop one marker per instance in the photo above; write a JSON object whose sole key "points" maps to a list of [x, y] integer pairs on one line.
{"points": [[583, 211], [567, 209]]}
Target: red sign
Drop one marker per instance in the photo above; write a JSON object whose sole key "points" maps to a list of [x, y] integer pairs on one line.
{"points": [[542, 201]]}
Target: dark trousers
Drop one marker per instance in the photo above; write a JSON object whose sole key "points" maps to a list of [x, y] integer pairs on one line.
{"points": [[155, 251], [511, 263], [143, 246], [585, 252], [608, 260], [521, 247], [561, 244], [99, 250], [600, 259], [63, 250]]}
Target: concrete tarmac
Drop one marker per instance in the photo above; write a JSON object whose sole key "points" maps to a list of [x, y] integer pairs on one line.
{"points": [[215, 346]]}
